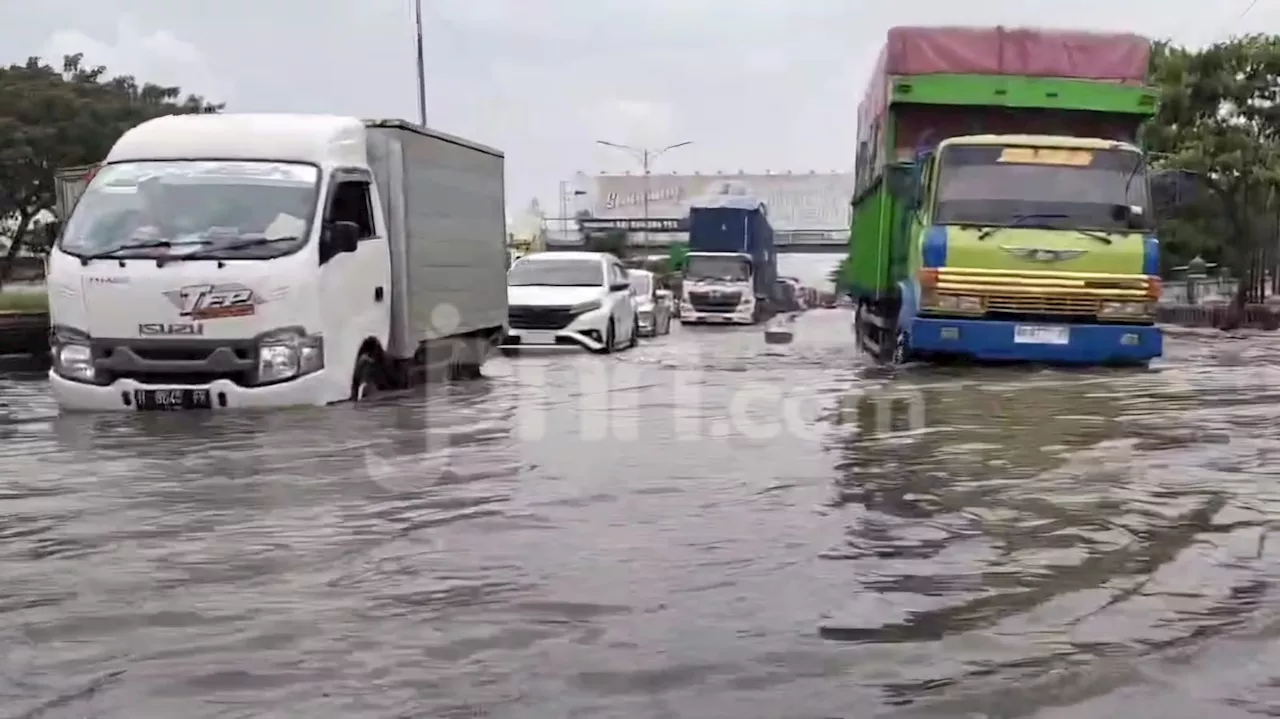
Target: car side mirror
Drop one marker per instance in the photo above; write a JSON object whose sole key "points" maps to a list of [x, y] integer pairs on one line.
{"points": [[344, 236]]}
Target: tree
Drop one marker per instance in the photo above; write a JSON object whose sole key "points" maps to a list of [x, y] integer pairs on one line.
{"points": [[1219, 118], [53, 117]]}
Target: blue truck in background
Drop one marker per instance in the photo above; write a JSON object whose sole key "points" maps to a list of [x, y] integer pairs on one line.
{"points": [[732, 265]]}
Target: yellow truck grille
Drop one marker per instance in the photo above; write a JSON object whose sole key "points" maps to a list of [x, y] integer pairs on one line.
{"points": [[1039, 292]]}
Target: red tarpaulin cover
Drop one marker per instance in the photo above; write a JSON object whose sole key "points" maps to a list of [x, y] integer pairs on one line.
{"points": [[1017, 51]]}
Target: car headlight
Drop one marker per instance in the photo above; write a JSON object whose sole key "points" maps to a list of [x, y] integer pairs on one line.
{"points": [[72, 356], [1124, 309], [586, 307], [289, 354]]}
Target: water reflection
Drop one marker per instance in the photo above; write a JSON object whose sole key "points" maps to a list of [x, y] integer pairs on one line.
{"points": [[1037, 520]]}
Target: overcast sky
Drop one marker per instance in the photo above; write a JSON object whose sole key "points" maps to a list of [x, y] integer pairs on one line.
{"points": [[755, 84]]}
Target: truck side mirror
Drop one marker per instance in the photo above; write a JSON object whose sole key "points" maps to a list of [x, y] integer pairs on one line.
{"points": [[343, 236]]}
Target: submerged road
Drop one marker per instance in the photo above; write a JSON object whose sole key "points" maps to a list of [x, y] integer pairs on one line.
{"points": [[704, 527]]}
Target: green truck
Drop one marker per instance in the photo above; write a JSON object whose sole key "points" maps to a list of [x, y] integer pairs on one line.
{"points": [[1002, 210]]}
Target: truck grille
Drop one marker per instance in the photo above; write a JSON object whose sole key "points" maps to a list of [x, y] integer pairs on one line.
{"points": [[539, 318], [1042, 305], [715, 301]]}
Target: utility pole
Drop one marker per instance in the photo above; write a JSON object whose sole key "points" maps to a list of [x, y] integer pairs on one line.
{"points": [[646, 156], [422, 67], [564, 210]]}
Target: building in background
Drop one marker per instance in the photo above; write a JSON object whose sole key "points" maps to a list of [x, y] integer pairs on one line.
{"points": [[798, 203]]}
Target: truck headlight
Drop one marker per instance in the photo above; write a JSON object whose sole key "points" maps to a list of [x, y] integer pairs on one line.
{"points": [[1124, 309], [72, 356], [958, 303], [289, 354]]}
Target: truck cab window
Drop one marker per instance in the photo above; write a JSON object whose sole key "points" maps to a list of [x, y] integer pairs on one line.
{"points": [[350, 202]]}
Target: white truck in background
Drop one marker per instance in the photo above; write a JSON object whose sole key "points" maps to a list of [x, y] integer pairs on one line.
{"points": [[244, 260]]}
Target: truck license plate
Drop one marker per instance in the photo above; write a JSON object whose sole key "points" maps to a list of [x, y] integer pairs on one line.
{"points": [[1041, 335], [151, 400], [537, 338]]}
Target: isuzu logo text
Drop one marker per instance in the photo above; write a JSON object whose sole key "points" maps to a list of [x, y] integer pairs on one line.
{"points": [[162, 329], [208, 302]]}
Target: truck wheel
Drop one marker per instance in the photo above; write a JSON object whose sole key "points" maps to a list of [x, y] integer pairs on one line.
{"points": [[902, 353], [468, 356], [610, 339], [366, 380]]}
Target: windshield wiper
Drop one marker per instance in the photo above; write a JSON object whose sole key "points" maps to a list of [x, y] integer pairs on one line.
{"points": [[145, 245], [1018, 220], [205, 252], [1096, 236]]}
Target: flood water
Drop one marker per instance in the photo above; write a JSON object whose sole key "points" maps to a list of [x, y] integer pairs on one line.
{"points": [[704, 527]]}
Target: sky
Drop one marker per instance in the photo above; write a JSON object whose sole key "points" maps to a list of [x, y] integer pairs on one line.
{"points": [[755, 85]]}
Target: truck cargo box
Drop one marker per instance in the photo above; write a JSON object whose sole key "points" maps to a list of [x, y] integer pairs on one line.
{"points": [[444, 201]]}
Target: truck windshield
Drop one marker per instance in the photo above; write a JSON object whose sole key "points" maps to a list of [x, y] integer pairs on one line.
{"points": [[727, 269], [556, 273], [1066, 188], [167, 208]]}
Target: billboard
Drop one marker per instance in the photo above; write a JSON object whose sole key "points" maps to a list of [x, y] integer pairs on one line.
{"points": [[796, 202]]}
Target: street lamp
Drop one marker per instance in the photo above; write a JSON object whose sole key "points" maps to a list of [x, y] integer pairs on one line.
{"points": [[422, 67], [564, 206], [646, 156]]}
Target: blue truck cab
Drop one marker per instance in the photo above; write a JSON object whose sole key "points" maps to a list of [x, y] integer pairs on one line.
{"points": [[732, 262]]}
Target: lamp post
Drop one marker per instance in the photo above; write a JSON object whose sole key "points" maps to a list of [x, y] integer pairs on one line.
{"points": [[564, 206], [646, 156], [422, 66]]}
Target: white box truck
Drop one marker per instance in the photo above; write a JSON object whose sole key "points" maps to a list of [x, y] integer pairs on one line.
{"points": [[245, 260]]}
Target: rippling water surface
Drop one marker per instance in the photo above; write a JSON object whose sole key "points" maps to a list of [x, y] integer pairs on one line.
{"points": [[703, 527]]}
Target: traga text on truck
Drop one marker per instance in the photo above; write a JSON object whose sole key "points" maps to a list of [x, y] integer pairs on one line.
{"points": [[1002, 209], [732, 265], [245, 260]]}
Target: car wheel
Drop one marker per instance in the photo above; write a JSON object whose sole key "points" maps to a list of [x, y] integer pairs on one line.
{"points": [[610, 339], [365, 380]]}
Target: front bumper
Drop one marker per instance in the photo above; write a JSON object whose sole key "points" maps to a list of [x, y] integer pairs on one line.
{"points": [[741, 315], [587, 330], [1086, 344], [309, 390], [646, 322]]}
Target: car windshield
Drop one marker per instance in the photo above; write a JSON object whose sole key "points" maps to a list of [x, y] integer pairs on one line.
{"points": [[1050, 187], [556, 273], [223, 209], [641, 283], [728, 269]]}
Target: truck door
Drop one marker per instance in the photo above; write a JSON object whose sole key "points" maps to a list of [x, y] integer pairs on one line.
{"points": [[355, 287]]}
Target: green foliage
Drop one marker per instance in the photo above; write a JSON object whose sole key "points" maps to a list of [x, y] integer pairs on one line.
{"points": [[1219, 118], [54, 117]]}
